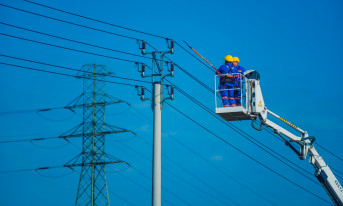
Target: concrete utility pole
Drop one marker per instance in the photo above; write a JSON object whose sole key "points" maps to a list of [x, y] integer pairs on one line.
{"points": [[157, 105], [156, 183]]}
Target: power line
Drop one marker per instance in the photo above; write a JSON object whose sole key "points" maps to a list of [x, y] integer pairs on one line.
{"points": [[96, 20], [208, 162], [173, 174], [35, 169], [123, 199], [54, 167], [50, 72], [99, 21], [244, 134], [11, 136], [250, 157], [195, 177], [133, 85], [337, 172], [283, 140], [55, 108], [68, 68], [69, 75], [68, 22], [194, 56], [141, 186], [166, 189], [74, 41], [65, 137], [212, 91], [111, 24], [186, 72], [329, 151], [194, 78], [201, 83], [33, 139], [224, 173], [184, 169], [71, 49]]}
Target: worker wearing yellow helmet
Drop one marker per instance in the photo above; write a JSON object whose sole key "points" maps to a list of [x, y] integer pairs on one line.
{"points": [[227, 82], [239, 80]]}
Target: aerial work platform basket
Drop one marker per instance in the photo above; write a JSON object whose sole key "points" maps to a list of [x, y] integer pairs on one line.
{"points": [[231, 113]]}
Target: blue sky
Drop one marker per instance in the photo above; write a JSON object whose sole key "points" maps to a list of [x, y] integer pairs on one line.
{"points": [[296, 47]]}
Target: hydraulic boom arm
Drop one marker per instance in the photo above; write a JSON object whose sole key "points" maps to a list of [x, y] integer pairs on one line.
{"points": [[256, 109]]}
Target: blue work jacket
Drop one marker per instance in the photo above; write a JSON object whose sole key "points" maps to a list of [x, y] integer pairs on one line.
{"points": [[229, 70]]}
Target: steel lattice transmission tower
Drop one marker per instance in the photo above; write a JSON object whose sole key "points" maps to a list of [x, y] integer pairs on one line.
{"points": [[92, 189]]}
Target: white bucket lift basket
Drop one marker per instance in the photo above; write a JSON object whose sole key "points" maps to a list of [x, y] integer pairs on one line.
{"points": [[231, 113]]}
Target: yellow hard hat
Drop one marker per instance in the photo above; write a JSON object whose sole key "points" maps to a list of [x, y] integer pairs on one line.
{"points": [[228, 58], [235, 59]]}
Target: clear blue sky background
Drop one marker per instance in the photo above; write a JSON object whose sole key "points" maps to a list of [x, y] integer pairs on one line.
{"points": [[295, 45]]}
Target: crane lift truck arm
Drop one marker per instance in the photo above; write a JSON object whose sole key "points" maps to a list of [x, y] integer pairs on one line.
{"points": [[255, 109]]}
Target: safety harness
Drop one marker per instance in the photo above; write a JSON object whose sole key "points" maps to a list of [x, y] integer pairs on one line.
{"points": [[227, 80]]}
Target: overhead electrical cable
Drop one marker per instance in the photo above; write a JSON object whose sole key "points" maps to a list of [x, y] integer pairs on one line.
{"points": [[142, 187], [328, 151], [190, 75], [69, 75], [199, 60], [46, 71], [68, 68], [247, 155], [35, 169], [96, 20], [74, 41], [163, 187], [121, 198], [65, 137], [183, 180], [115, 25], [185, 170], [68, 22], [245, 135], [186, 72], [71, 49], [251, 156], [205, 160], [197, 178]]}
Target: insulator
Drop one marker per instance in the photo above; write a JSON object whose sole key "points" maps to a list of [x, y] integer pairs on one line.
{"points": [[143, 70], [172, 46], [172, 90], [172, 69], [142, 93], [143, 47]]}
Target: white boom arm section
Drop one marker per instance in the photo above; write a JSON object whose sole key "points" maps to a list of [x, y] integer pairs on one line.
{"points": [[256, 109]]}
